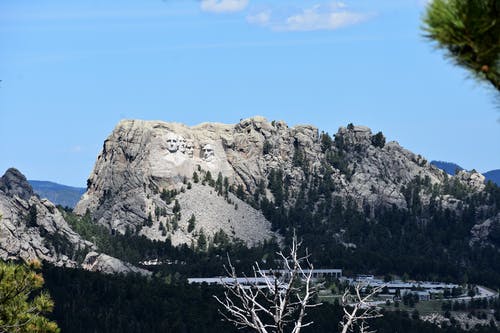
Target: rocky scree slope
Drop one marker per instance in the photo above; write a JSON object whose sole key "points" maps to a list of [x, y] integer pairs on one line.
{"points": [[151, 177], [33, 228]]}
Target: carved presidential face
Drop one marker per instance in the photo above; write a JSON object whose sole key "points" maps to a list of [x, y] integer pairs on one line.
{"points": [[190, 148], [172, 142], [182, 144], [207, 152]]}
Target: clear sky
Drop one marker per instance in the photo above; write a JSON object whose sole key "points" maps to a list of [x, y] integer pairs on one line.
{"points": [[71, 70]]}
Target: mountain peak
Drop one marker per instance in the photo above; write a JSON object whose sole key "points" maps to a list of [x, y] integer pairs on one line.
{"points": [[13, 182]]}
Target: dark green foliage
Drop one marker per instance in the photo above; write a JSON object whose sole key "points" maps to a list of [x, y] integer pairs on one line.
{"points": [[149, 220], [22, 306], [221, 238], [175, 223], [177, 207], [338, 160], [208, 176], [168, 195], [326, 142], [218, 184], [494, 236], [196, 178], [469, 32], [92, 302], [267, 147], [133, 248], [275, 184], [202, 241], [127, 247], [425, 241], [299, 160], [240, 192], [191, 223], [339, 142], [378, 140], [31, 218], [62, 245], [410, 299]]}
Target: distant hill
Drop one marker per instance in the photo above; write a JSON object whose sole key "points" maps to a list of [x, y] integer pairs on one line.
{"points": [[493, 175], [448, 167], [59, 194]]}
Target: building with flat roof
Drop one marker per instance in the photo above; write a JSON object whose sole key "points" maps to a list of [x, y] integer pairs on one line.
{"points": [[315, 273]]}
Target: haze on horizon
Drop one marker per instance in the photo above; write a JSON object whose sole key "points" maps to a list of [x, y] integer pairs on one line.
{"points": [[71, 71]]}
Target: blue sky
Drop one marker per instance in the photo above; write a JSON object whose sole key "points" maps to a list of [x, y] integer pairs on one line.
{"points": [[71, 70]]}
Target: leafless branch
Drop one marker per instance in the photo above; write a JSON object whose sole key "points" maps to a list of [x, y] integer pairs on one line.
{"points": [[358, 309], [278, 303]]}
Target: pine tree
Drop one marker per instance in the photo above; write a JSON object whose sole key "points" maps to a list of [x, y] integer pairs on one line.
{"points": [[469, 31], [191, 223], [20, 310], [177, 207], [202, 241]]}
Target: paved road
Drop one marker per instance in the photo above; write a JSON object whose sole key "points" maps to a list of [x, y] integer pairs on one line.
{"points": [[483, 292]]}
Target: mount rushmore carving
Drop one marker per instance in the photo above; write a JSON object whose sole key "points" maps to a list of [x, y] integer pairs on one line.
{"points": [[176, 143]]}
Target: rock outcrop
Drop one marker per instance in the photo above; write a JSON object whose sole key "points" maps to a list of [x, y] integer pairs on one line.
{"points": [[100, 262], [32, 228], [142, 160], [487, 233], [474, 180], [14, 183]]}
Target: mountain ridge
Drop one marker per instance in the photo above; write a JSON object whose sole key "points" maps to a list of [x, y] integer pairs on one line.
{"points": [[450, 168], [493, 175], [264, 163], [170, 192], [59, 194]]}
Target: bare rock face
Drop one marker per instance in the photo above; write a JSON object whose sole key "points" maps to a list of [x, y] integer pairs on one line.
{"points": [[473, 179], [14, 183], [141, 160], [379, 172], [30, 227], [487, 233], [33, 228], [237, 219], [100, 262]]}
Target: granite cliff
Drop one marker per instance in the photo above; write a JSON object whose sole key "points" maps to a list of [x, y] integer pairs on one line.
{"points": [[33, 229], [153, 177]]}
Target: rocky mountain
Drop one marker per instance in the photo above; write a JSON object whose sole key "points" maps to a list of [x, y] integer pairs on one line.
{"points": [[33, 228], [66, 196], [153, 177]]}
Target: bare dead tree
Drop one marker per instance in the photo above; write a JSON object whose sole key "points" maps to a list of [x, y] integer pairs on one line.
{"points": [[359, 308], [278, 303]]}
